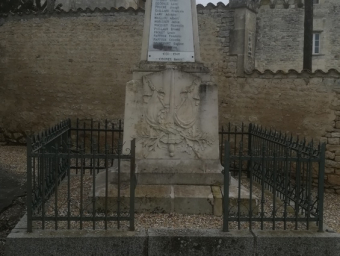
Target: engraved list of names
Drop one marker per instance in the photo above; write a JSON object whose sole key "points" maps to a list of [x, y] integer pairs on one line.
{"points": [[171, 33]]}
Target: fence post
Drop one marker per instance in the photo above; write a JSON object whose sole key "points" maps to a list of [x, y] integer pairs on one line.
{"points": [[249, 150], [297, 188], [321, 185], [221, 145], [29, 185], [226, 186], [132, 185], [56, 178]]}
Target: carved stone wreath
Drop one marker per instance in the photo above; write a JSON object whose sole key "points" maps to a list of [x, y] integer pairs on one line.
{"points": [[171, 109]]}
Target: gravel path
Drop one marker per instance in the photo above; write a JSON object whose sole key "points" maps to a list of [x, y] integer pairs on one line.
{"points": [[13, 164]]}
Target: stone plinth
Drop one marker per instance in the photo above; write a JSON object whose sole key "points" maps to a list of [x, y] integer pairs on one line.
{"points": [[174, 117], [166, 197]]}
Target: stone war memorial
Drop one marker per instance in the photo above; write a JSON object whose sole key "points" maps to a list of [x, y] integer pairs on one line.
{"points": [[171, 109], [161, 150]]}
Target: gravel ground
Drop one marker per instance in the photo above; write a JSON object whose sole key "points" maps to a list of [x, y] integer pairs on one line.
{"points": [[12, 171], [13, 162]]}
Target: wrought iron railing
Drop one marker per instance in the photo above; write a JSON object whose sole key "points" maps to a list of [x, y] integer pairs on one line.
{"points": [[63, 164], [291, 169]]}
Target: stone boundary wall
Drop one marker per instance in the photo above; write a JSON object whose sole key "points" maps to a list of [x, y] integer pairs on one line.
{"points": [[302, 103], [66, 65], [331, 137], [75, 64]]}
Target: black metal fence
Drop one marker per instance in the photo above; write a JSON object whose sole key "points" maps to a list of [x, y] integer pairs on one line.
{"points": [[64, 165], [291, 169], [78, 177]]}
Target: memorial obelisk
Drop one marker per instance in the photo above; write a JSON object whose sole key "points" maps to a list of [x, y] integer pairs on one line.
{"points": [[171, 109]]}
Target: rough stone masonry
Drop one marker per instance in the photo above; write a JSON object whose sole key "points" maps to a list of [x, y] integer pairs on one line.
{"points": [[76, 64]]}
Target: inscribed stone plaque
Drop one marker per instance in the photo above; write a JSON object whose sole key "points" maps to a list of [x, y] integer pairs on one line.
{"points": [[171, 32]]}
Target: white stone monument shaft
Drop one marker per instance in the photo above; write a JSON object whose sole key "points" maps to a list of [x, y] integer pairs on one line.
{"points": [[171, 31]]}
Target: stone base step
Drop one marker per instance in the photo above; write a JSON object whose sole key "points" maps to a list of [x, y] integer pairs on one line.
{"points": [[184, 199], [161, 199], [201, 173], [179, 172]]}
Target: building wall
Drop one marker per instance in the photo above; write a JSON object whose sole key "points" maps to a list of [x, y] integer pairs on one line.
{"points": [[279, 44], [327, 21], [280, 33]]}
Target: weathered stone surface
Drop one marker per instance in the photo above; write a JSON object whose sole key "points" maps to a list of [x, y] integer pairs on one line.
{"points": [[179, 172], [173, 115], [283, 243], [333, 179], [193, 200], [329, 190], [329, 155], [75, 242], [335, 134], [87, 79], [323, 140], [329, 170], [77, 92], [186, 199], [195, 242], [244, 201], [218, 205], [170, 242], [105, 90], [333, 141], [2, 137], [333, 148], [280, 44], [337, 124], [332, 164], [148, 198]]}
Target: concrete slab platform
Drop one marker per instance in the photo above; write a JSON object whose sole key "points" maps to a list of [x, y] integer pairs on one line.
{"points": [[170, 242]]}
